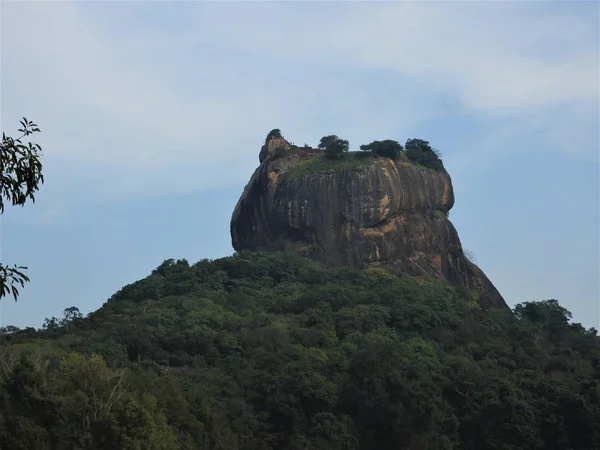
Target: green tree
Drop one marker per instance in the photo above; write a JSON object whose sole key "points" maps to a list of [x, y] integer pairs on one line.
{"points": [[78, 402], [20, 178], [547, 312], [274, 134], [387, 148], [421, 152], [334, 146], [71, 316], [269, 350], [418, 144]]}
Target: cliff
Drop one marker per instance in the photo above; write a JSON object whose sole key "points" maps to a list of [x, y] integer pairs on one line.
{"points": [[356, 211]]}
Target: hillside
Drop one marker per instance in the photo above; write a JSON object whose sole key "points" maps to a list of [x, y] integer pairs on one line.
{"points": [[276, 351]]}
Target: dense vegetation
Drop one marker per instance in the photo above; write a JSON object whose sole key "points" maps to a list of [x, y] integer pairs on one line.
{"points": [[274, 351], [418, 151], [387, 148], [265, 351]]}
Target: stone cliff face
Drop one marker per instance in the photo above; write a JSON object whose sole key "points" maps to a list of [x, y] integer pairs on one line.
{"points": [[356, 212]]}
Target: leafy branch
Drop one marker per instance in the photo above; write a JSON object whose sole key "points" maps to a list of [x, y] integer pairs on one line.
{"points": [[20, 167], [20, 178], [10, 277]]}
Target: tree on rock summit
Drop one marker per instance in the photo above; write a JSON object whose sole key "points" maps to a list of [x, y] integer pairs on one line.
{"points": [[334, 146], [387, 148], [274, 134]]}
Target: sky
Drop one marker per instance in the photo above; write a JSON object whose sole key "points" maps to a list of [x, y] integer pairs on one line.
{"points": [[153, 113]]}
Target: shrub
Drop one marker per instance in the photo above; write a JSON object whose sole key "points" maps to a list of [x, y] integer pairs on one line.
{"points": [[387, 148]]}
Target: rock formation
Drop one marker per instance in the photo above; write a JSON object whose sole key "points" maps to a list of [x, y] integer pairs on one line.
{"points": [[356, 211]]}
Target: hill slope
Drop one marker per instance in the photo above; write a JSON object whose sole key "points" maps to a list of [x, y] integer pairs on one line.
{"points": [[275, 351]]}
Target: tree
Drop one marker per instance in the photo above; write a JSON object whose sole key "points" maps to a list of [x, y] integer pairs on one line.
{"points": [[272, 350], [9, 329], [421, 152], [274, 134], [334, 146], [544, 312], [387, 148], [71, 315], [20, 178], [418, 144], [327, 141]]}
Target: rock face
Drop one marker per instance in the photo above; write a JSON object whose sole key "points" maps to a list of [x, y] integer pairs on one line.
{"points": [[357, 211]]}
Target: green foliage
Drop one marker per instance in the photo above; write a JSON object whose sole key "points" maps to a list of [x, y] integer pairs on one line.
{"points": [[420, 152], [78, 402], [334, 146], [322, 164], [387, 148], [274, 134], [20, 178], [274, 351]]}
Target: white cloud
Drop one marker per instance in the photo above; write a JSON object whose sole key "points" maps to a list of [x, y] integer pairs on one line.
{"points": [[483, 51], [70, 58], [154, 97]]}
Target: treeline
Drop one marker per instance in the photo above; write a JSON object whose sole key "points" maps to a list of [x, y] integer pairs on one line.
{"points": [[418, 151], [274, 351]]}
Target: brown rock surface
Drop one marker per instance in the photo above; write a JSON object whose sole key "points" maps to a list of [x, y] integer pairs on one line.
{"points": [[356, 212]]}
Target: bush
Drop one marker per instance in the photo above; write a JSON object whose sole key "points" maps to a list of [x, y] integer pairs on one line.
{"points": [[387, 148]]}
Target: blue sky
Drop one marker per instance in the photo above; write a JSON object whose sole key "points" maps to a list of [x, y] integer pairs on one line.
{"points": [[153, 113]]}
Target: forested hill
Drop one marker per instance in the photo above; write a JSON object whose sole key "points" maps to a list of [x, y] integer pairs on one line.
{"points": [[274, 351]]}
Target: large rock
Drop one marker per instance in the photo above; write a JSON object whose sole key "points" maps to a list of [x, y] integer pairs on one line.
{"points": [[357, 211]]}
